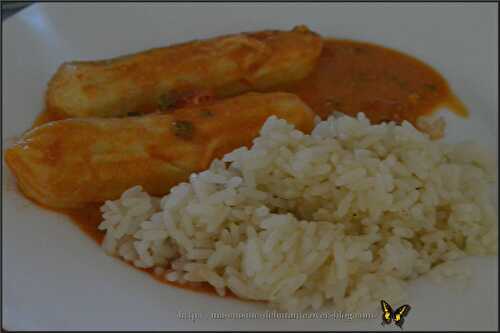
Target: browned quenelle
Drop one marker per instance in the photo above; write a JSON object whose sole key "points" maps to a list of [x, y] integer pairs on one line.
{"points": [[144, 81], [73, 162]]}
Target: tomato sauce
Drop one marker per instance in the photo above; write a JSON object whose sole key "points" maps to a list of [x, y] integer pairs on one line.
{"points": [[385, 84], [88, 218]]}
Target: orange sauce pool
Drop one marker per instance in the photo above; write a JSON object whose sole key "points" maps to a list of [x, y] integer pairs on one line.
{"points": [[385, 84], [350, 77], [88, 219]]}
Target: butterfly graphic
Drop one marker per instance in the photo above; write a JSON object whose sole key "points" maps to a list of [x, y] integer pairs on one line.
{"points": [[398, 316]]}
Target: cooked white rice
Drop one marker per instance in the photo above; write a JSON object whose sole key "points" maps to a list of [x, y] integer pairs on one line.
{"points": [[344, 216]]}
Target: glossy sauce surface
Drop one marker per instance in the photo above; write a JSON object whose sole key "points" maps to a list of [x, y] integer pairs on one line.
{"points": [[385, 84], [350, 77]]}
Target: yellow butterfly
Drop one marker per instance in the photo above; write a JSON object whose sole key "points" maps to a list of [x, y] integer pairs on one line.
{"points": [[398, 315]]}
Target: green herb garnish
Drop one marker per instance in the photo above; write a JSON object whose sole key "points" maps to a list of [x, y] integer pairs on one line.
{"points": [[165, 101], [403, 84], [206, 113], [335, 104], [400, 82], [359, 50], [430, 87], [183, 129]]}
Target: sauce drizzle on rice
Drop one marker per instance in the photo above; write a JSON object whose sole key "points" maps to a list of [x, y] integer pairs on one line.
{"points": [[346, 215]]}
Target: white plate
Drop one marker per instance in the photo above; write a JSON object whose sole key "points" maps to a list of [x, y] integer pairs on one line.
{"points": [[54, 277]]}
